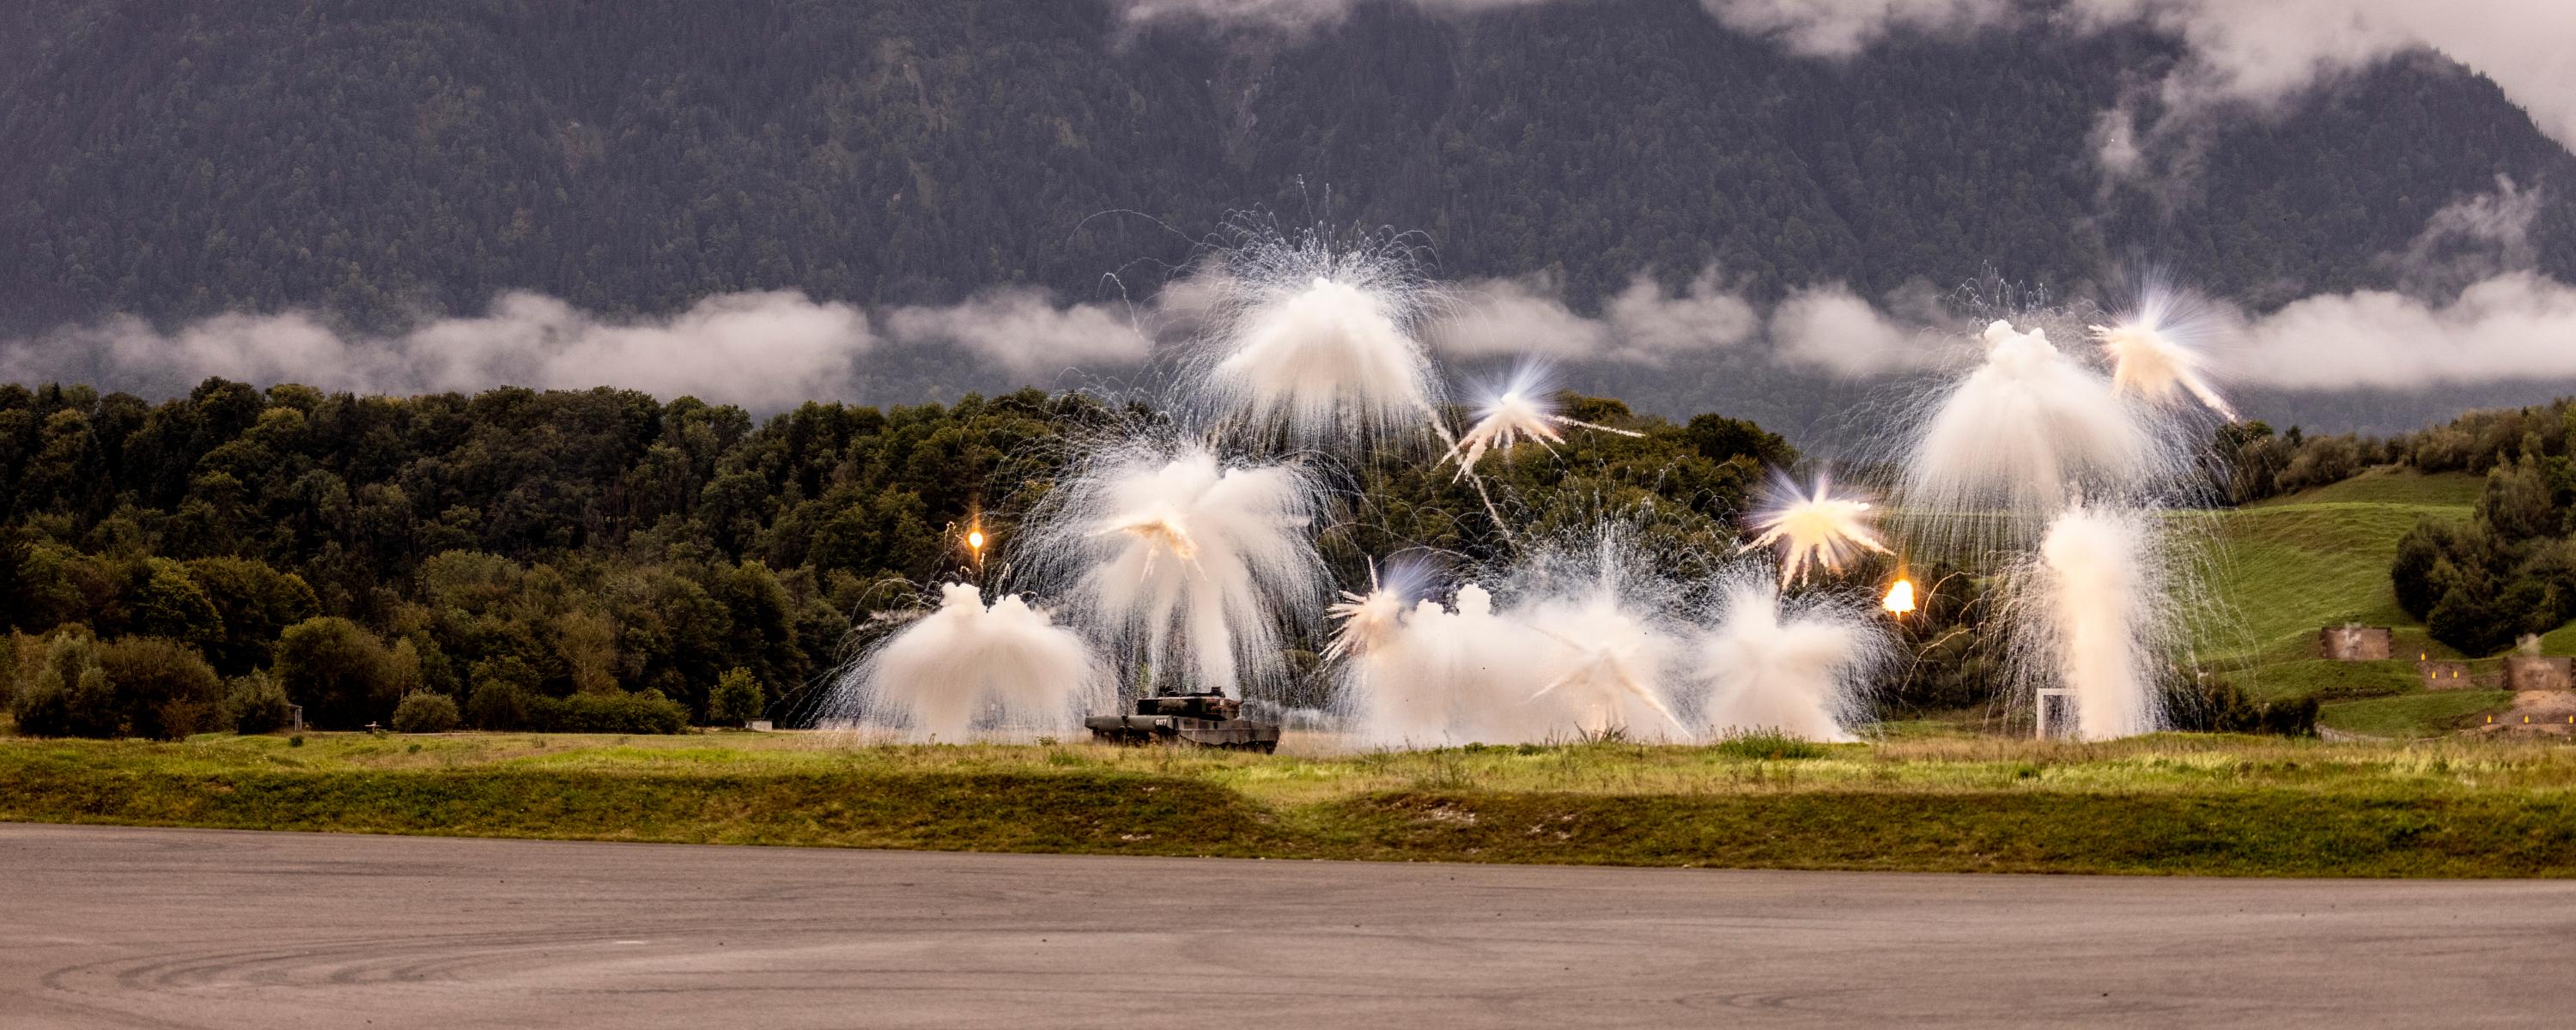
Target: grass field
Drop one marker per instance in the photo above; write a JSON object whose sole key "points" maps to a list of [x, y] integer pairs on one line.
{"points": [[2198, 805], [2285, 567]]}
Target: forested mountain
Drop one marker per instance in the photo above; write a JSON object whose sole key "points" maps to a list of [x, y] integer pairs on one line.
{"points": [[378, 159]]}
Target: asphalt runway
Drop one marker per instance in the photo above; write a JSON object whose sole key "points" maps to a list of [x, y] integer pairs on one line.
{"points": [[108, 927]]}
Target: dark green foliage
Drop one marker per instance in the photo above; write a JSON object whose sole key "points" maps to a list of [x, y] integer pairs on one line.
{"points": [[641, 712], [737, 699], [498, 704], [425, 712], [163, 689], [257, 704], [2419, 553], [2511, 570], [339, 672], [136, 687], [69, 695], [2218, 705], [1719, 438]]}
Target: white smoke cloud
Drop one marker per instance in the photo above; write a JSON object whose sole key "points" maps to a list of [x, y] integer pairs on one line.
{"points": [[2517, 325], [1831, 329], [1022, 331], [1642, 324]]}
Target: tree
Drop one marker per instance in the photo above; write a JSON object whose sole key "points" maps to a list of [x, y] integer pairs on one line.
{"points": [[425, 712], [162, 689], [737, 699], [338, 671]]}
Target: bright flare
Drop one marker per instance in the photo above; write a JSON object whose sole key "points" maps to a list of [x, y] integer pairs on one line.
{"points": [[1521, 411], [1900, 598], [1817, 527], [2154, 367]]}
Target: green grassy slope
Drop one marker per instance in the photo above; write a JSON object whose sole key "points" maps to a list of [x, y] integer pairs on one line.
{"points": [[2282, 568]]}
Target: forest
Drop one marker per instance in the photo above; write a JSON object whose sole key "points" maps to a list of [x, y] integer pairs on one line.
{"points": [[598, 559]]}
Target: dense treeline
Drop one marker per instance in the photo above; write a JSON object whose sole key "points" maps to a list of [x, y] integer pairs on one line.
{"points": [[597, 559], [2510, 570], [376, 159]]}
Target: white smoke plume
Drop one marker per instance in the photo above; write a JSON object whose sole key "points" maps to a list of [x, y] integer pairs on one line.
{"points": [[1643, 324], [1022, 331]]}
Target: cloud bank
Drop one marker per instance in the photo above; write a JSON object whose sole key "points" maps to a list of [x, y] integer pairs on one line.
{"points": [[1643, 324], [766, 351], [2517, 325]]}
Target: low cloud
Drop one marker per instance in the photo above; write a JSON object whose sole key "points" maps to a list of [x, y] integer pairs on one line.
{"points": [[1842, 28], [2255, 57], [1295, 15], [2518, 325], [2475, 237], [766, 351], [1022, 331], [1828, 328], [1643, 324], [761, 350]]}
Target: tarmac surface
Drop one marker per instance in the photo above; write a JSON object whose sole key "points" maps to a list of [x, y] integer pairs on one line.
{"points": [[113, 927]]}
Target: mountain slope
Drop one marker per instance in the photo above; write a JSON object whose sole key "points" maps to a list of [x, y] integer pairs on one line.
{"points": [[379, 159]]}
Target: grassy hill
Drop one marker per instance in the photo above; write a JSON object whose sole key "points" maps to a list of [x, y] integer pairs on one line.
{"points": [[2283, 568]]}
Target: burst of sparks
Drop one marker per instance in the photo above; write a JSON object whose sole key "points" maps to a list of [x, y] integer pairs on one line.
{"points": [[1817, 528], [1366, 619], [2153, 366], [1512, 417]]}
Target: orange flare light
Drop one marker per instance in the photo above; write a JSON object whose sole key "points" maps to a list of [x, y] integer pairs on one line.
{"points": [[975, 539], [1900, 598]]}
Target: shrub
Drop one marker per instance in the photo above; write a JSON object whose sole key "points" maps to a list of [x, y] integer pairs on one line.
{"points": [[502, 687], [162, 688], [70, 695], [2217, 705], [256, 704], [425, 712], [136, 687], [643, 712], [338, 671], [737, 699], [1767, 744]]}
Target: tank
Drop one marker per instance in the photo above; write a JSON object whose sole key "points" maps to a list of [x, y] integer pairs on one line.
{"points": [[1207, 720]]}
